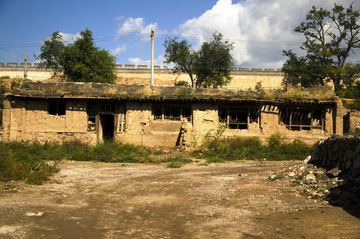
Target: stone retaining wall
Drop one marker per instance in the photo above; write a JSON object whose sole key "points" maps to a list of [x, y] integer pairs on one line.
{"points": [[342, 152]]}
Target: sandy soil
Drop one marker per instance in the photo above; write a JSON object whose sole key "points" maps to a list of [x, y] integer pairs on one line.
{"points": [[230, 200]]}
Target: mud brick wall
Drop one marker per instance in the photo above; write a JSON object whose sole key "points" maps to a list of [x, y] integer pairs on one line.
{"points": [[342, 152]]}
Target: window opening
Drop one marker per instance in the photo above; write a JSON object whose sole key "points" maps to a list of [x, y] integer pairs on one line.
{"points": [[171, 112], [57, 109], [238, 118], [302, 119], [91, 116]]}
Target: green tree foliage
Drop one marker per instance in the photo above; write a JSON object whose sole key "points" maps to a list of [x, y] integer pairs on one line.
{"points": [[80, 61], [208, 67], [331, 36]]}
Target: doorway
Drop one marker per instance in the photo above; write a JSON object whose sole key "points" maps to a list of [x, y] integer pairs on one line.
{"points": [[107, 125]]}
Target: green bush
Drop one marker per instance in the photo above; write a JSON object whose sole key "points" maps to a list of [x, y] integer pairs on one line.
{"points": [[184, 92], [181, 83], [251, 148]]}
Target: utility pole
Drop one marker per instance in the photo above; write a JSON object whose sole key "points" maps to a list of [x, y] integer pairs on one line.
{"points": [[152, 56], [25, 67]]}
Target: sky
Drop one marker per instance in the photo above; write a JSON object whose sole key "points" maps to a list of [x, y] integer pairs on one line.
{"points": [[260, 29]]}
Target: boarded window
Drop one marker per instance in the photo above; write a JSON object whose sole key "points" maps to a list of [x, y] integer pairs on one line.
{"points": [[301, 118], [172, 112], [57, 108], [238, 118]]}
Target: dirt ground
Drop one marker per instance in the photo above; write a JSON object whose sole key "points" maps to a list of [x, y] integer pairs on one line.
{"points": [[228, 200]]}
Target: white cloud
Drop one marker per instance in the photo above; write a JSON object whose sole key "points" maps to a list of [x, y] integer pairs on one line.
{"points": [[119, 49], [261, 29], [137, 25], [69, 37], [137, 61]]}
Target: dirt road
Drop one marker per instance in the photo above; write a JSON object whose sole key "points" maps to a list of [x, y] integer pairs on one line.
{"points": [[230, 200]]}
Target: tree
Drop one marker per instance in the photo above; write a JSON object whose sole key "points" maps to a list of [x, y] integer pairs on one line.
{"points": [[208, 67], [80, 61], [330, 39]]}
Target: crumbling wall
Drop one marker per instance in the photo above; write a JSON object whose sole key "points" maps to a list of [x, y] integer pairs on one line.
{"points": [[141, 128], [351, 120], [30, 121], [341, 152]]}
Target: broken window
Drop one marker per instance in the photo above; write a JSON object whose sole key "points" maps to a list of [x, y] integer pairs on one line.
{"points": [[91, 116], [57, 108], [238, 118], [301, 118], [172, 112]]}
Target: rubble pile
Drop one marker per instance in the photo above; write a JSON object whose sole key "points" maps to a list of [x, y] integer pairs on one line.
{"points": [[318, 184]]}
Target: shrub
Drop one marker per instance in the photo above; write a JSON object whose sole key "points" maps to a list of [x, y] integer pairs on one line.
{"points": [[251, 148], [184, 92], [181, 83]]}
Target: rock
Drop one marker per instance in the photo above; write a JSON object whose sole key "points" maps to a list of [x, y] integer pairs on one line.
{"points": [[308, 160], [310, 179], [291, 174], [356, 181], [333, 172], [354, 190], [32, 214], [319, 173], [272, 176]]}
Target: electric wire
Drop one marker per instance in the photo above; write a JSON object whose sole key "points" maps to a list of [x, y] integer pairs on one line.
{"points": [[137, 36]]}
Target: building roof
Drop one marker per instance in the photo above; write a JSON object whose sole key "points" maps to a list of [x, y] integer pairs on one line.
{"points": [[76, 90]]}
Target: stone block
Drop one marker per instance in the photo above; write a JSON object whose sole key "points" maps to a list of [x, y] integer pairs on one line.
{"points": [[357, 161], [348, 165], [11, 64]]}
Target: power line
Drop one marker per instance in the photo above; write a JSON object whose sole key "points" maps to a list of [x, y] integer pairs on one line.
{"points": [[129, 37]]}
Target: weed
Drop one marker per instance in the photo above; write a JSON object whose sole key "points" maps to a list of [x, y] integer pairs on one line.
{"points": [[222, 126], [4, 77], [355, 132], [175, 164], [184, 92], [144, 91], [15, 83], [252, 148], [110, 92], [203, 164], [181, 83]]}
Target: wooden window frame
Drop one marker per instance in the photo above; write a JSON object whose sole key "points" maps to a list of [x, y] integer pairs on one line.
{"points": [[252, 116], [171, 112], [295, 118]]}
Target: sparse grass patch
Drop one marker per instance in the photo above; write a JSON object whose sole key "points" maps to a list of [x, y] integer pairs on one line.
{"points": [[110, 92]]}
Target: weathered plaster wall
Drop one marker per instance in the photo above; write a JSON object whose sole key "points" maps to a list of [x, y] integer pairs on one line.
{"points": [[30, 120]]}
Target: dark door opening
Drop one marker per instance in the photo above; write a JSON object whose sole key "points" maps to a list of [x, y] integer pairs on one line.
{"points": [[107, 123]]}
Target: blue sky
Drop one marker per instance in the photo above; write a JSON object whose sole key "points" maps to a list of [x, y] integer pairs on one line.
{"points": [[260, 29]]}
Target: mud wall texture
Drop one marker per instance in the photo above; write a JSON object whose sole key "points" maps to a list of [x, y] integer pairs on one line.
{"points": [[30, 120], [342, 152], [162, 124]]}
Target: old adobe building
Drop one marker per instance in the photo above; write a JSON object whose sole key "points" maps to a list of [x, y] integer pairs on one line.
{"points": [[160, 115]]}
